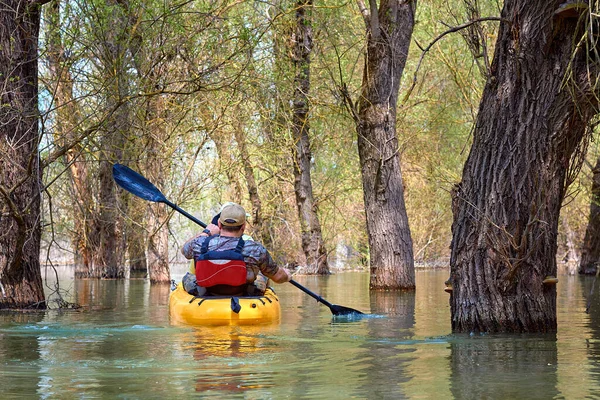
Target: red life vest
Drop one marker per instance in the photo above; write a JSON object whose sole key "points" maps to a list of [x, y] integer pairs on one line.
{"points": [[221, 267]]}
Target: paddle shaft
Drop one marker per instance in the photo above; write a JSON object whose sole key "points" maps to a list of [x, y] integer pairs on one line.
{"points": [[313, 295], [138, 185], [182, 211]]}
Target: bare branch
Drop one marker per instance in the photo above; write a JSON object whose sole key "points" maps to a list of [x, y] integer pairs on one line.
{"points": [[364, 12], [438, 38], [375, 31]]}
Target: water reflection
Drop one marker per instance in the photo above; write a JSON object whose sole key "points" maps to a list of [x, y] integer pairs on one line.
{"points": [[24, 353], [591, 290], [389, 354], [121, 344], [501, 366], [232, 346], [94, 294]]}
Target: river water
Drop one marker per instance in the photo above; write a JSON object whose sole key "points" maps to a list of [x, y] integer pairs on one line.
{"points": [[121, 344]]}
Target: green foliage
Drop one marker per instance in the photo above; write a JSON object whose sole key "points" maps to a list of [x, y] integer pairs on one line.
{"points": [[220, 68], [435, 122]]}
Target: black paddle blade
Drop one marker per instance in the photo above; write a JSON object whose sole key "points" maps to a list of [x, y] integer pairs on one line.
{"points": [[341, 310], [335, 309], [136, 184]]}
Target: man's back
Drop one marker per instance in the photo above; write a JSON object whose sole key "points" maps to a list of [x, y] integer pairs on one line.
{"points": [[255, 255]]}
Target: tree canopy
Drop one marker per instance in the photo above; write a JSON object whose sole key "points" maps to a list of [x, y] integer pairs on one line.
{"points": [[345, 123]]}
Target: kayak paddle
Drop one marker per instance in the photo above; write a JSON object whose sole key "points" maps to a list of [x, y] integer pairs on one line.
{"points": [[138, 185], [335, 309]]}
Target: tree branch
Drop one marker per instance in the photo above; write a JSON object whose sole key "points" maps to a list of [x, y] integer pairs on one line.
{"points": [[375, 31], [438, 38], [364, 12]]}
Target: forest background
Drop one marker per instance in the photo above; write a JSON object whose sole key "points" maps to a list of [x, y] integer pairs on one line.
{"points": [[197, 96]]}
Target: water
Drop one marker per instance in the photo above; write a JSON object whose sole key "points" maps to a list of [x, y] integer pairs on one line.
{"points": [[122, 345]]}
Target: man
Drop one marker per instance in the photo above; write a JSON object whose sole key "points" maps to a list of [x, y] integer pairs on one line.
{"points": [[226, 264]]}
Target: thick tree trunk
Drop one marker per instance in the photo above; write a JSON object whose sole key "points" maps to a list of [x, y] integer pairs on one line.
{"points": [[312, 238], [389, 32], [506, 208], [20, 176], [83, 203], [590, 252]]}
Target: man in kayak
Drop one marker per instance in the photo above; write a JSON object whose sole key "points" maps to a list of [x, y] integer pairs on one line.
{"points": [[226, 264]]}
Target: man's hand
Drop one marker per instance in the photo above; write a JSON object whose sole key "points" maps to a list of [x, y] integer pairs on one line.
{"points": [[282, 275], [212, 228]]}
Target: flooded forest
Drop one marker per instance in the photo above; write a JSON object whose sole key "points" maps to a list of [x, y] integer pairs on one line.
{"points": [[371, 136]]}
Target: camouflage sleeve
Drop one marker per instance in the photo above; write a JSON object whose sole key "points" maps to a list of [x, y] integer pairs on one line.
{"points": [[186, 250], [192, 247], [258, 255], [267, 265]]}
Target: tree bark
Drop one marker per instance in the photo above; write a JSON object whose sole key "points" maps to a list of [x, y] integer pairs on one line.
{"points": [[20, 179], [389, 32], [310, 227], [590, 252], [151, 67], [108, 252], [158, 245], [530, 125], [68, 119], [135, 231], [109, 240], [158, 168]]}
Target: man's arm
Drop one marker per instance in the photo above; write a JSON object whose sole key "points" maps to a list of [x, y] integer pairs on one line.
{"points": [[188, 248], [270, 268], [281, 276]]}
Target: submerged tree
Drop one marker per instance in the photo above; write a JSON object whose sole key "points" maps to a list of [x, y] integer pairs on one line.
{"points": [[312, 237], [527, 146], [60, 85], [20, 176], [389, 30]]}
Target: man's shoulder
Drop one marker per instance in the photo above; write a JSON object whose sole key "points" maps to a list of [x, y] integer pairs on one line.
{"points": [[253, 244], [254, 248]]}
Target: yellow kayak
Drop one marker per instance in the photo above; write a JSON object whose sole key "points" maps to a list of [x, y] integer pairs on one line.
{"points": [[219, 310]]}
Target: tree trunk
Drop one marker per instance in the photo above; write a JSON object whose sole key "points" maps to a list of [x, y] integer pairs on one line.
{"points": [[571, 258], [590, 252], [135, 230], [525, 144], [108, 256], [228, 163], [389, 32], [258, 223], [312, 238], [158, 169], [20, 179], [158, 245], [151, 67], [68, 121]]}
